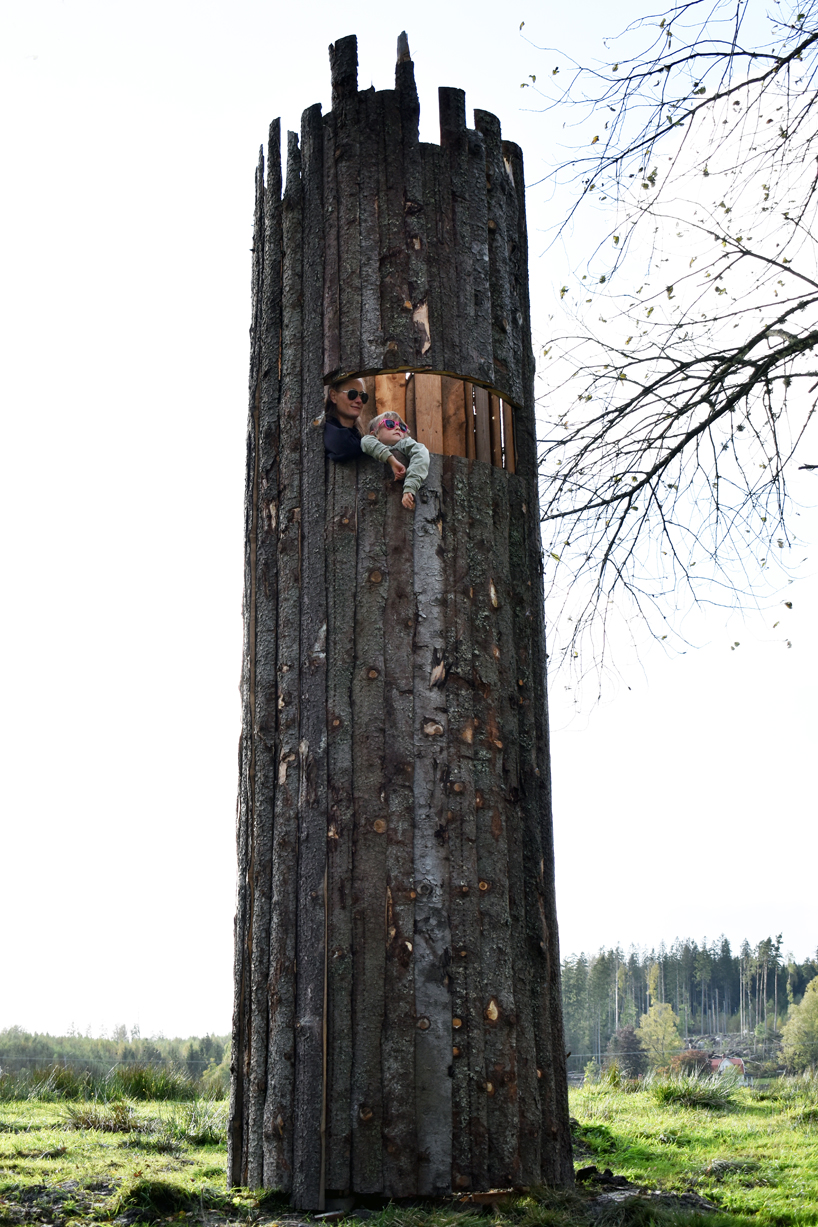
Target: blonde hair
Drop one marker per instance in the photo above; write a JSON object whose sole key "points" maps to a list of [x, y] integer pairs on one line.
{"points": [[375, 423]]}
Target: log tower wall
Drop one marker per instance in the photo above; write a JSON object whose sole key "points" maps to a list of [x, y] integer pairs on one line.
{"points": [[397, 1027]]}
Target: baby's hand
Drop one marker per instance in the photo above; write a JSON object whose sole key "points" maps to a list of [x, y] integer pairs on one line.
{"points": [[408, 500], [397, 468]]}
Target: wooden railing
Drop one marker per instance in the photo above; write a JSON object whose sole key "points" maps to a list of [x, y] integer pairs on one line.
{"points": [[451, 416]]}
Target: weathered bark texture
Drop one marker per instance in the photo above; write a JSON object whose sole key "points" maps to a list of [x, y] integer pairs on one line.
{"points": [[397, 1025]]}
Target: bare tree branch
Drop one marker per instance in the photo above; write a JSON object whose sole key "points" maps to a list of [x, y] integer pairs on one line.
{"points": [[674, 403]]}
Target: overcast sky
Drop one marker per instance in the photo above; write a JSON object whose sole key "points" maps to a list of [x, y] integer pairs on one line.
{"points": [[684, 805]]}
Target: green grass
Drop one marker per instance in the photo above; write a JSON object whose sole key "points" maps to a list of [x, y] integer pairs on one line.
{"points": [[89, 1162], [755, 1156]]}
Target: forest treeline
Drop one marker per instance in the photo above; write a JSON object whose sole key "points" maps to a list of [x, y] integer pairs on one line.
{"points": [[712, 990], [21, 1050]]}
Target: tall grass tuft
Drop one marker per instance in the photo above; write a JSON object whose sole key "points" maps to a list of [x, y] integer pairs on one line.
{"points": [[150, 1082], [107, 1118], [201, 1123], [692, 1091]]}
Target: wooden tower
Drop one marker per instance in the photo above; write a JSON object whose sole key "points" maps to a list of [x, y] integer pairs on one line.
{"points": [[397, 1027]]}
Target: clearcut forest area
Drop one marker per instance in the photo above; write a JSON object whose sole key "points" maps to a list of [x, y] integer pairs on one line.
{"points": [[736, 1003]]}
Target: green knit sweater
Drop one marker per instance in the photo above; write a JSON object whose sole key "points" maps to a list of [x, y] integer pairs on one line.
{"points": [[416, 453]]}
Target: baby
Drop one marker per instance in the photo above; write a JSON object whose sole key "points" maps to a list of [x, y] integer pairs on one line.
{"points": [[388, 434]]}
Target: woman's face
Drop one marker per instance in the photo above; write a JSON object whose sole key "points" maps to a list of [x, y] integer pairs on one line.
{"points": [[348, 408]]}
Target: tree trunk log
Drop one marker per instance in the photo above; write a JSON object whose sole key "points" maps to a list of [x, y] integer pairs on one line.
{"points": [[397, 1027]]}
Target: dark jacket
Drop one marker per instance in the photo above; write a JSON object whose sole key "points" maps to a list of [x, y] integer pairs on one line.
{"points": [[341, 442]]}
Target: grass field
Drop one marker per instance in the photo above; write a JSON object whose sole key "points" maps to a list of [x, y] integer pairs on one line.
{"points": [[753, 1154], [756, 1157]]}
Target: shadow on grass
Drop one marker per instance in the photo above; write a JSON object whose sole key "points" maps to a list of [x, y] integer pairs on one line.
{"points": [[143, 1200]]}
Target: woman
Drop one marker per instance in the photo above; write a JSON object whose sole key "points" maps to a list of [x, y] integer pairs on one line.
{"points": [[342, 434]]}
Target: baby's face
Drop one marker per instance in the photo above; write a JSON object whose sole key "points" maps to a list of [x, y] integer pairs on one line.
{"points": [[391, 434]]}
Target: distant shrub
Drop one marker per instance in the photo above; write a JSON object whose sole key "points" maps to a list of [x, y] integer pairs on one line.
{"points": [[692, 1061], [800, 1034]]}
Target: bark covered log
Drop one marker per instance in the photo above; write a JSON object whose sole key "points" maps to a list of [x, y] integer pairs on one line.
{"points": [[397, 1026]]}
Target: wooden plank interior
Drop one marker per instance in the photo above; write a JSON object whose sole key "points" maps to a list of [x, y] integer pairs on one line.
{"points": [[495, 431], [482, 428], [410, 418], [454, 416], [390, 394], [429, 412], [509, 450]]}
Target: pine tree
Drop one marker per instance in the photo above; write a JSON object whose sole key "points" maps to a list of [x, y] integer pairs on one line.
{"points": [[626, 1051]]}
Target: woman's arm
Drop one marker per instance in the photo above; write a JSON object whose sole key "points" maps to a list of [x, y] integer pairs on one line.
{"points": [[340, 442]]}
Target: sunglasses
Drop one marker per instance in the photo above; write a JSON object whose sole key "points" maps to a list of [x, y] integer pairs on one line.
{"points": [[353, 394], [391, 423]]}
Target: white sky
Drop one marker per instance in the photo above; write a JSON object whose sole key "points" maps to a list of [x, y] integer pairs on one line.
{"points": [[129, 140]]}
